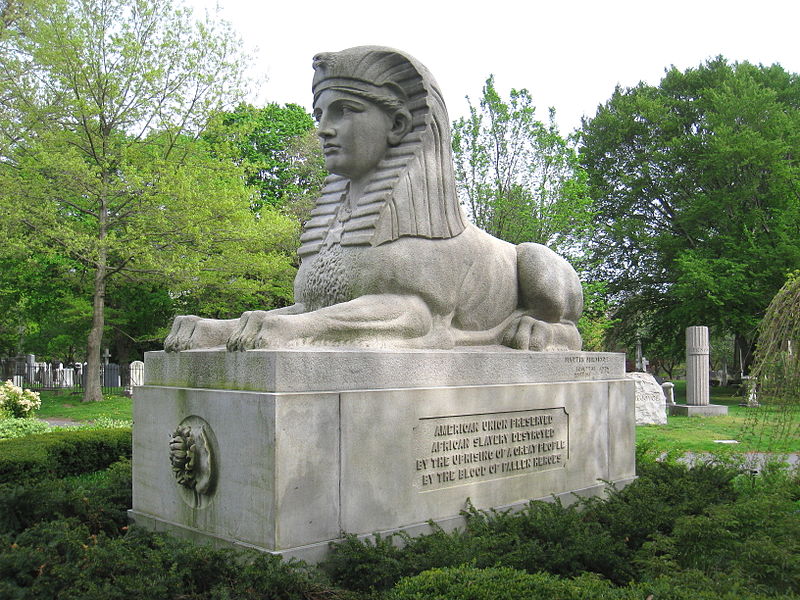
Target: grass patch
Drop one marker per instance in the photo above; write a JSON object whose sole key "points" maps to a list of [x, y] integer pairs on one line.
{"points": [[697, 434], [57, 405]]}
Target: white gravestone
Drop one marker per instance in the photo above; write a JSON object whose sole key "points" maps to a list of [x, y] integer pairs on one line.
{"points": [[137, 373], [650, 401]]}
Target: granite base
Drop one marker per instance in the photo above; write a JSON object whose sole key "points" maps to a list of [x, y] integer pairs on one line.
{"points": [[704, 410], [382, 449]]}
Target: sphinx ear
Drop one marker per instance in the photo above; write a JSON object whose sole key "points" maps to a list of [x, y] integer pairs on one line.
{"points": [[401, 125]]}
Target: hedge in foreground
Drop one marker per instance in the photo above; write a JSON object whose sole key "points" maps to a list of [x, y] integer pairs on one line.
{"points": [[99, 502], [502, 583], [60, 453], [63, 559]]}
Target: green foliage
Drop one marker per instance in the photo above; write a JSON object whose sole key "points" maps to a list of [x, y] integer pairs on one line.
{"points": [[59, 453], [99, 139], [697, 188], [500, 583], [16, 428], [776, 370], [643, 533], [517, 177], [267, 143], [101, 505], [595, 322], [469, 583], [63, 559]]}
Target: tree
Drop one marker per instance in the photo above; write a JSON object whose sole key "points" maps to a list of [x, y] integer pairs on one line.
{"points": [[101, 103], [517, 177], [696, 184], [272, 145], [777, 367]]}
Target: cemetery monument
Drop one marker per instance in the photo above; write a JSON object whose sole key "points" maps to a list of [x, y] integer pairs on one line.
{"points": [[423, 364], [698, 381]]}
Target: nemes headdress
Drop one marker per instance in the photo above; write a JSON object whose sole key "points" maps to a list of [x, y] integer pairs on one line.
{"points": [[412, 192]]}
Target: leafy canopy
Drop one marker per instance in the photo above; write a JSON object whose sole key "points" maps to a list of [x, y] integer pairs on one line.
{"points": [[696, 184]]}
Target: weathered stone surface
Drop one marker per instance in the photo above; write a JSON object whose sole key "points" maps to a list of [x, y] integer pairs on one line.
{"points": [[650, 400], [296, 467], [321, 369], [706, 410], [697, 375], [388, 258]]}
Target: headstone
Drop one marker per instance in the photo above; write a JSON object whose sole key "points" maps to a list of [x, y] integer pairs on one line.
{"points": [[669, 392], [111, 377], [650, 401], [425, 366], [697, 377], [137, 373]]}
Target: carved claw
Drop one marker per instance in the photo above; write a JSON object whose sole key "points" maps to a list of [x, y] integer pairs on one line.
{"points": [[247, 331], [181, 333]]}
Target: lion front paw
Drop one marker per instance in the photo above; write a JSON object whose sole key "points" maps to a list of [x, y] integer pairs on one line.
{"points": [[528, 333], [180, 335], [190, 333]]}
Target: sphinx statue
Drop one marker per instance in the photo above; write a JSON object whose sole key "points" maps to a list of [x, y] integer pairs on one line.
{"points": [[388, 258]]}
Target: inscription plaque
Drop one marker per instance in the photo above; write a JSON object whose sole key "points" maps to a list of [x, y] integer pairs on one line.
{"points": [[461, 449], [590, 366]]}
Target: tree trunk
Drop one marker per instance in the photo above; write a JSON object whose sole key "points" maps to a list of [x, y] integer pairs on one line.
{"points": [[92, 391]]}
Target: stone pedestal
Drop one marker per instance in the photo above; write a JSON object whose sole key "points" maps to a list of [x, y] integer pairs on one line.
{"points": [[294, 448]]}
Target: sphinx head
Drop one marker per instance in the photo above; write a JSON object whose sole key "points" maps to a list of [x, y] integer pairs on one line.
{"points": [[383, 124], [359, 120]]}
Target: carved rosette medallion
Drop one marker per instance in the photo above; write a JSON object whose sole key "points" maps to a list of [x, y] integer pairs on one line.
{"points": [[192, 456]]}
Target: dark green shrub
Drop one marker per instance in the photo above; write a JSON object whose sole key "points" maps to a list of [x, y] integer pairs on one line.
{"points": [[542, 537], [369, 564], [100, 505], [60, 453], [662, 493], [547, 536], [469, 583], [756, 540], [502, 583], [64, 560]]}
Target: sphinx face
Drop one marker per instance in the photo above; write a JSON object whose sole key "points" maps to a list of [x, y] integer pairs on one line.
{"points": [[354, 133]]}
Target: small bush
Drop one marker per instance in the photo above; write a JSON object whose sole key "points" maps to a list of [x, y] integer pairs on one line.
{"points": [[16, 402], [469, 583], [60, 453], [17, 428]]}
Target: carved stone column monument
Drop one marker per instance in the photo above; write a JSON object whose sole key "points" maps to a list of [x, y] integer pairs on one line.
{"points": [[424, 362], [697, 377]]}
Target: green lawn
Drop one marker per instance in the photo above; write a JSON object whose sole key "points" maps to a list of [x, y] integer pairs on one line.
{"points": [[60, 405], [698, 434]]}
